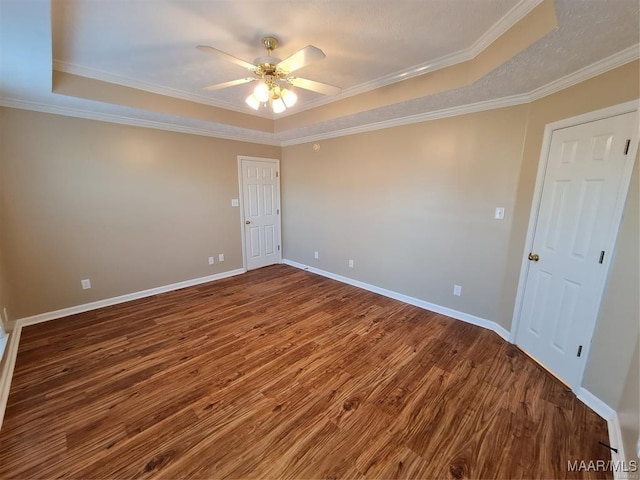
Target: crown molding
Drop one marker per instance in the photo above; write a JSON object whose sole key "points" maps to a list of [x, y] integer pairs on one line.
{"points": [[416, 70], [103, 76], [124, 120], [616, 60], [512, 17], [517, 13], [602, 66], [421, 117]]}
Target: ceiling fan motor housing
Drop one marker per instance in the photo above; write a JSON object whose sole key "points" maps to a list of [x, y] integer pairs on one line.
{"points": [[267, 64]]}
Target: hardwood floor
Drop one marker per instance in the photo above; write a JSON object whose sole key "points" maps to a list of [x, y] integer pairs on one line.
{"points": [[280, 373]]}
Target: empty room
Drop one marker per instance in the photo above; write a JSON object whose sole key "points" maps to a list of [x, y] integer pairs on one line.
{"points": [[319, 239]]}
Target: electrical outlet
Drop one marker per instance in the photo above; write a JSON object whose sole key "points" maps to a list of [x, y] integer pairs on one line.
{"points": [[86, 284], [457, 290], [211, 262], [350, 263], [499, 215], [221, 257], [315, 255]]}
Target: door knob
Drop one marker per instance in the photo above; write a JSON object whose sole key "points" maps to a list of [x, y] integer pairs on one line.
{"points": [[247, 222], [534, 257]]}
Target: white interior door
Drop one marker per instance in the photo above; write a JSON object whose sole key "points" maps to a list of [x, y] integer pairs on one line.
{"points": [[261, 211], [586, 175]]}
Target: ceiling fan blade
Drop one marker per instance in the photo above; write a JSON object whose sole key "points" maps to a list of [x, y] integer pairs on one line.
{"points": [[226, 56], [240, 81], [301, 58], [314, 86]]}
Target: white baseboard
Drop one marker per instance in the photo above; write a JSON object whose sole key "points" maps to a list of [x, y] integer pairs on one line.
{"points": [[9, 361], [7, 365], [615, 440], [595, 404], [65, 312], [588, 398], [465, 317], [613, 424]]}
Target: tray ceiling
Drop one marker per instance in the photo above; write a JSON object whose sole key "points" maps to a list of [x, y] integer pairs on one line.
{"points": [[150, 47]]}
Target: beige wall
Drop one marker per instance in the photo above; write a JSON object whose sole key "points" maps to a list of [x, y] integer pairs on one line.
{"points": [[628, 414], [416, 202], [4, 286], [614, 87], [135, 208], [611, 360], [413, 206], [129, 208]]}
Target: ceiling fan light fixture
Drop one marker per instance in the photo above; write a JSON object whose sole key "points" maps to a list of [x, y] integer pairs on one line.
{"points": [[261, 92], [269, 71], [277, 105], [288, 97], [253, 102]]}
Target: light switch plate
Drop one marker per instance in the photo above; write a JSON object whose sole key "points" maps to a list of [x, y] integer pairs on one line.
{"points": [[235, 202], [499, 215]]}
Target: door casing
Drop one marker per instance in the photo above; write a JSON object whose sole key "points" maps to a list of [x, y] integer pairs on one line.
{"points": [[627, 107]]}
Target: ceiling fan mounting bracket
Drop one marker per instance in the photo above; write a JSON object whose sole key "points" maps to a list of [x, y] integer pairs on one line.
{"points": [[270, 43]]}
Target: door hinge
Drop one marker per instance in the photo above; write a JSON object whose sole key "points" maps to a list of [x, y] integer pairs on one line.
{"points": [[277, 211], [277, 174], [626, 147], [601, 257], [579, 350], [278, 247]]}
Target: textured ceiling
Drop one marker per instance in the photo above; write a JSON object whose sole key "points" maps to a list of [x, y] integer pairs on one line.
{"points": [[152, 44], [363, 39], [583, 36]]}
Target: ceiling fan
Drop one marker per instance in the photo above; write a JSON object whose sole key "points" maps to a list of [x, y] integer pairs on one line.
{"points": [[271, 72]]}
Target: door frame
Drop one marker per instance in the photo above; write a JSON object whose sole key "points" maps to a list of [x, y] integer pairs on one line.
{"points": [[241, 205], [615, 110]]}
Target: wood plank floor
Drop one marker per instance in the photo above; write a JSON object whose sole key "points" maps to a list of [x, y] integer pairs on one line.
{"points": [[280, 373]]}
